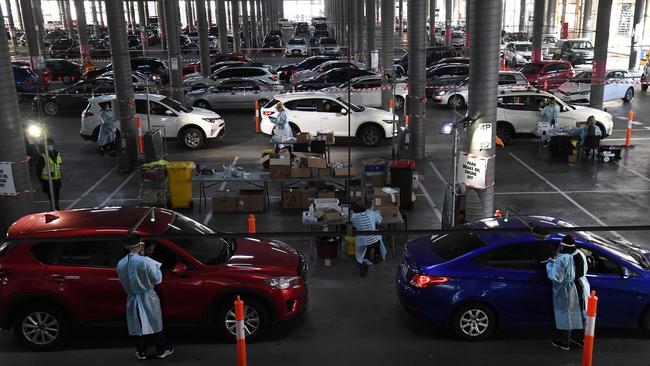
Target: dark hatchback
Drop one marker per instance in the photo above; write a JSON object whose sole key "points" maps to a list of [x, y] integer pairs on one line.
{"points": [[309, 63], [331, 78]]}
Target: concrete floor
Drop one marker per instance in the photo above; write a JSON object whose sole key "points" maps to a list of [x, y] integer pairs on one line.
{"points": [[354, 320]]}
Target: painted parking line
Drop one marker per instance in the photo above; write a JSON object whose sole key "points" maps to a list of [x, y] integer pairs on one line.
{"points": [[633, 139], [566, 196], [208, 217], [633, 171], [602, 191], [427, 197], [110, 196], [74, 203]]}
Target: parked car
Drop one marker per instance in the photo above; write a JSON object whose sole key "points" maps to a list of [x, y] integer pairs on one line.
{"points": [[302, 29], [474, 281], [333, 77], [548, 46], [250, 72], [328, 46], [287, 30], [99, 48], [151, 66], [134, 42], [27, 82], [517, 37], [445, 75], [296, 47], [518, 53], [233, 93], [325, 67], [190, 125], [366, 91], [458, 40], [141, 81], [433, 55], [456, 95], [547, 74], [63, 70], [55, 285], [321, 33], [274, 43], [318, 20], [618, 85], [74, 98], [285, 71], [518, 112], [311, 112], [217, 61], [645, 77], [63, 48], [576, 51]]}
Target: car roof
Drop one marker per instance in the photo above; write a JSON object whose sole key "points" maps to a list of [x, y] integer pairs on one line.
{"points": [[528, 91], [521, 42], [105, 220], [303, 95], [109, 97], [515, 222], [221, 81]]}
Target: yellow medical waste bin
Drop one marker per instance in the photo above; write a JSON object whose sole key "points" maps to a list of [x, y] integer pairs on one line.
{"points": [[179, 174]]}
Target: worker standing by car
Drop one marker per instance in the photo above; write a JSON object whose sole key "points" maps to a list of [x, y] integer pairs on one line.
{"points": [[138, 275], [53, 158], [107, 130], [566, 303], [370, 249], [282, 130], [582, 287], [551, 113]]}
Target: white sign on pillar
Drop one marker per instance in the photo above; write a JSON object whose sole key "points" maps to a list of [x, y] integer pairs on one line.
{"points": [[7, 186], [482, 138], [472, 170]]}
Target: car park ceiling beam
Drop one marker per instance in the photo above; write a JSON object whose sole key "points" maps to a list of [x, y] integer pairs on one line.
{"points": [[416, 100], [483, 78], [387, 51], [600, 54], [12, 141], [370, 30], [236, 32], [637, 26], [246, 23], [538, 30], [143, 21], [123, 105], [82, 29], [221, 23]]}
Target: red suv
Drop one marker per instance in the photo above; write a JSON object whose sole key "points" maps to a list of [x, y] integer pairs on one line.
{"points": [[547, 74], [48, 285]]}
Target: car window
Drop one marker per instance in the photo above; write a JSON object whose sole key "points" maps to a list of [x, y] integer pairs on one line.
{"points": [[507, 79], [367, 84], [228, 73], [207, 250], [522, 256], [598, 263], [79, 253], [562, 67], [513, 102], [455, 244], [330, 106], [534, 102], [552, 68], [162, 254], [140, 106], [157, 109], [303, 105]]}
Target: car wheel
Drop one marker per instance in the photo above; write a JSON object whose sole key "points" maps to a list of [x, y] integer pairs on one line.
{"points": [[294, 129], [644, 86], [473, 322], [399, 103], [456, 102], [256, 319], [202, 104], [505, 132], [42, 327], [192, 138], [629, 94], [370, 136], [399, 73], [603, 132], [51, 108]]}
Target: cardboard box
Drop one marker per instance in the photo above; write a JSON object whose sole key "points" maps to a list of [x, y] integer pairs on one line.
{"points": [[327, 136], [326, 195], [332, 216], [303, 137], [250, 200], [388, 211], [343, 172], [280, 167], [310, 160], [321, 173], [300, 172], [384, 199], [224, 202], [377, 180], [291, 199], [307, 197]]}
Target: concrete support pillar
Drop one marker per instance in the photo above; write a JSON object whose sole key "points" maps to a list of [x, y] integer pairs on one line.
{"points": [[400, 15], [637, 31], [123, 105], [370, 31], [133, 21], [209, 11], [448, 13], [254, 22], [246, 23], [357, 27], [10, 18], [93, 7], [101, 13], [538, 30], [522, 15], [37, 13], [35, 55], [20, 16], [69, 25], [387, 46], [432, 22], [236, 31], [467, 29], [146, 12], [204, 45], [228, 16], [82, 29], [143, 22], [586, 19], [161, 24], [550, 17], [12, 141], [482, 109], [188, 15], [173, 26], [600, 54], [221, 23], [416, 100], [563, 15]]}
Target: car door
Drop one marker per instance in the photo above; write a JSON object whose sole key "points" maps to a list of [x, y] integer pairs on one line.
{"points": [[514, 280], [515, 109], [168, 118], [364, 95], [222, 96], [305, 114], [333, 119], [74, 97], [616, 295], [614, 88], [84, 275], [147, 116]]}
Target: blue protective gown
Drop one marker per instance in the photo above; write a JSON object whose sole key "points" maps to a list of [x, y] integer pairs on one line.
{"points": [[568, 312], [138, 275], [282, 130], [107, 129], [367, 221]]}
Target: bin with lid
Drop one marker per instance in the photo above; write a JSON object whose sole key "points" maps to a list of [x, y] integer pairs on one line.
{"points": [[179, 174], [401, 172]]}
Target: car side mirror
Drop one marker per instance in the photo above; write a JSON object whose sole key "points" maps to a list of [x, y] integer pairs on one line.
{"points": [[179, 269], [625, 273], [169, 113], [344, 111]]}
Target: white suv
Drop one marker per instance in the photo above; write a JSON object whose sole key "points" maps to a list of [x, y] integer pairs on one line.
{"points": [[192, 126], [456, 95], [518, 112], [316, 111]]}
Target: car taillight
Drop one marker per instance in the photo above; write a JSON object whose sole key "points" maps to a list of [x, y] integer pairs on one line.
{"points": [[88, 114], [423, 281], [267, 113], [274, 77], [4, 272]]}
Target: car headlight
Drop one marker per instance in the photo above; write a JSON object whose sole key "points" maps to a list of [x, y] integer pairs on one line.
{"points": [[440, 93], [282, 283], [213, 120]]}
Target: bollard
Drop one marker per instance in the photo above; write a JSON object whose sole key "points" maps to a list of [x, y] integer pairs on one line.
{"points": [[390, 105], [545, 85], [497, 214], [590, 326], [140, 143], [406, 120], [628, 134], [251, 224], [257, 117], [241, 335]]}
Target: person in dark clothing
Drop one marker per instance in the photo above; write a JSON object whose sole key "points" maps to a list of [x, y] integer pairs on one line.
{"points": [[54, 161]]}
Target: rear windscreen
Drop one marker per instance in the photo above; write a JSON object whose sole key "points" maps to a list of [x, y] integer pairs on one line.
{"points": [[453, 245]]}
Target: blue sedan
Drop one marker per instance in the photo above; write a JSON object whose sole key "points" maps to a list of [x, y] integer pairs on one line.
{"points": [[473, 281]]}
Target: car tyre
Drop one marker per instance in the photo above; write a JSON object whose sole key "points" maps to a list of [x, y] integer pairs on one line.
{"points": [[370, 135], [456, 102], [51, 108], [473, 322], [505, 132], [256, 318], [629, 94], [42, 327], [644, 87], [399, 103], [202, 104], [192, 138]]}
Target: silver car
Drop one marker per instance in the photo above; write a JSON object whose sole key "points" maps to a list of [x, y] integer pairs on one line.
{"points": [[249, 72], [325, 67], [233, 93], [296, 47]]}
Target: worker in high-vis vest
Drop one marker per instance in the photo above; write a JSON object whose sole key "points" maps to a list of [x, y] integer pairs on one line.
{"points": [[55, 161]]}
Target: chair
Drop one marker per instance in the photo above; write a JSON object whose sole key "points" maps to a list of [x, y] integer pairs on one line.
{"points": [[591, 145]]}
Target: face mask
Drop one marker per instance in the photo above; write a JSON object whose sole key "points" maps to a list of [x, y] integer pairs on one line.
{"points": [[50, 148]]}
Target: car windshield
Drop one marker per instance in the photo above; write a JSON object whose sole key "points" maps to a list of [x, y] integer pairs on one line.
{"points": [[549, 40], [523, 47], [350, 105], [583, 77], [455, 244], [531, 68], [581, 45], [209, 251], [629, 254], [175, 105], [328, 41], [297, 41]]}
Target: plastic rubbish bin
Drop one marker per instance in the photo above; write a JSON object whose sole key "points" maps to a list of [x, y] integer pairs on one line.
{"points": [[327, 247], [401, 173], [179, 174]]}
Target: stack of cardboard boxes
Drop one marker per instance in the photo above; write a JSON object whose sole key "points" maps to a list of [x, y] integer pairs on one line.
{"points": [[375, 171], [386, 200], [244, 201]]}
